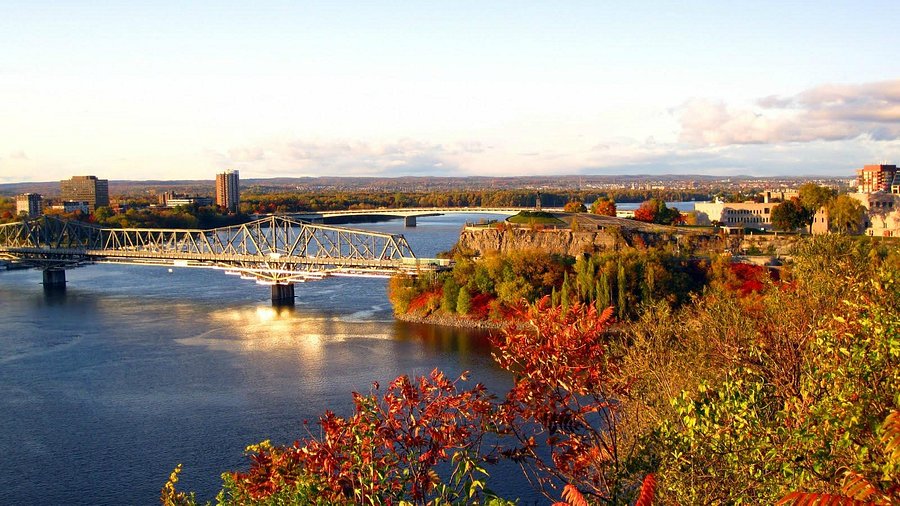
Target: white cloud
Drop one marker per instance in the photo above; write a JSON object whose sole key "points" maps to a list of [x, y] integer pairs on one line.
{"points": [[349, 157], [827, 113]]}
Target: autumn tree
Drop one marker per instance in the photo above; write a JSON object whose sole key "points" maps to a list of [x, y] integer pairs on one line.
{"points": [[780, 390], [604, 206], [418, 443], [655, 211], [564, 412], [575, 206]]}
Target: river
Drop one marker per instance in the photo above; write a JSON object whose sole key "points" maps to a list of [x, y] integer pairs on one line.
{"points": [[105, 388]]}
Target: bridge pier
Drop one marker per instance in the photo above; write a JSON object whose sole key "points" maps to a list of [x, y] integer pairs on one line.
{"points": [[283, 295], [54, 278], [409, 221]]}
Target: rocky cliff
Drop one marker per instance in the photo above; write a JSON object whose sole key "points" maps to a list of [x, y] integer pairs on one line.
{"points": [[484, 240]]}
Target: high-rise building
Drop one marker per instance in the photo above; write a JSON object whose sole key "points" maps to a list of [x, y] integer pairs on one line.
{"points": [[228, 190], [86, 189], [29, 203], [875, 178]]}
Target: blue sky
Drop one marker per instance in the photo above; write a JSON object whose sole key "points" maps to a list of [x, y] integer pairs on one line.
{"points": [[173, 90]]}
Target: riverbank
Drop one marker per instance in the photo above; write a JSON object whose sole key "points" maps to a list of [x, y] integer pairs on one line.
{"points": [[452, 321]]}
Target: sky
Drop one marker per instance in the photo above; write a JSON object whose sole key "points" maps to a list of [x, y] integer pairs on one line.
{"points": [[183, 90]]}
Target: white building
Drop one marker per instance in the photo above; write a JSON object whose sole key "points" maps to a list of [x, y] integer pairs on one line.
{"points": [[70, 206], [735, 214], [29, 203]]}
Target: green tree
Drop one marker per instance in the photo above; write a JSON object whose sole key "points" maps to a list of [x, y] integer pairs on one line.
{"points": [[449, 296], [564, 292], [814, 197], [604, 291], [620, 284], [463, 301], [789, 215], [845, 215]]}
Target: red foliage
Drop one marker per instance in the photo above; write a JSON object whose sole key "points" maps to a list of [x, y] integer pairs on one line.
{"points": [[387, 449], [567, 386], [604, 207], [747, 278], [648, 491], [572, 497], [422, 302], [481, 305], [645, 213]]}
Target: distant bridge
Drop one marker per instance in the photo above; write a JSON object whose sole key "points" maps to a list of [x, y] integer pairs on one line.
{"points": [[275, 251], [409, 214]]}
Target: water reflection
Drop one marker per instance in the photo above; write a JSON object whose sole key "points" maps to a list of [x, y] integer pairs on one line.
{"points": [[446, 339]]}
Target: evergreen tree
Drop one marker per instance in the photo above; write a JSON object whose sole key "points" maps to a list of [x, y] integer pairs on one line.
{"points": [[649, 281], [604, 294], [463, 301], [620, 284], [450, 295]]}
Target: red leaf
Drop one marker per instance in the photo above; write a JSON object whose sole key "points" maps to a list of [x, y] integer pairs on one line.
{"points": [[648, 491]]}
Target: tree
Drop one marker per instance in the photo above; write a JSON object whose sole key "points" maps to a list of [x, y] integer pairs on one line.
{"points": [[789, 215], [463, 301], [604, 207], [646, 212], [655, 211], [569, 393], [390, 451], [575, 206], [845, 215], [450, 295], [814, 197]]}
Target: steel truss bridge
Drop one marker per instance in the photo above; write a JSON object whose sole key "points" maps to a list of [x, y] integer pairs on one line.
{"points": [[274, 251]]}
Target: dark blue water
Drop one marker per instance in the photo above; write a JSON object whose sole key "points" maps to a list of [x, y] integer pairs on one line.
{"points": [[105, 388]]}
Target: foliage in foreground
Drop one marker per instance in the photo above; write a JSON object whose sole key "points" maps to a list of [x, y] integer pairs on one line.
{"points": [[788, 391], [784, 391]]}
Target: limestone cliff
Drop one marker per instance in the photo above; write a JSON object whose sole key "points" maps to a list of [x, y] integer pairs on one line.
{"points": [[484, 240]]}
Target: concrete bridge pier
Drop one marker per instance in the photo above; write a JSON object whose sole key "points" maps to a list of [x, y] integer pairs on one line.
{"points": [[409, 221], [283, 295], [54, 278]]}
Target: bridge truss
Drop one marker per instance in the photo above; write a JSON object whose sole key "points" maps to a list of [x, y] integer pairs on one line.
{"points": [[273, 250]]}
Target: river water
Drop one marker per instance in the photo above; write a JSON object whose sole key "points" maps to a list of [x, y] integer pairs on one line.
{"points": [[106, 387]]}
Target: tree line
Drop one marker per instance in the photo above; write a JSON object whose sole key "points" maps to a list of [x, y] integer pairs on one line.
{"points": [[259, 202]]}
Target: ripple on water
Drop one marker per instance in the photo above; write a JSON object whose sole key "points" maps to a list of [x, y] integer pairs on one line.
{"points": [[36, 347]]}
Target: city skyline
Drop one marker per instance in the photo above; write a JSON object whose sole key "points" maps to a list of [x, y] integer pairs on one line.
{"points": [[287, 89]]}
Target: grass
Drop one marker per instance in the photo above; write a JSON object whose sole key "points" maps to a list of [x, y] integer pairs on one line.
{"points": [[536, 218]]}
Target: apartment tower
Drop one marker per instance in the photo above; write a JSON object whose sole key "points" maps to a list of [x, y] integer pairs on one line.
{"points": [[29, 203], [228, 191], [86, 189], [875, 178]]}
